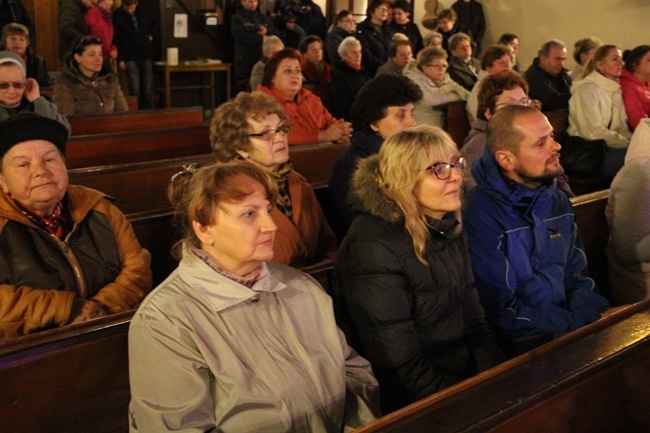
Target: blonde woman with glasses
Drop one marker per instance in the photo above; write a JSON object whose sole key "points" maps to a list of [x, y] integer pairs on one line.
{"points": [[403, 282], [430, 73]]}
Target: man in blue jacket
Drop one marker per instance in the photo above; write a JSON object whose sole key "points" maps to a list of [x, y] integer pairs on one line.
{"points": [[527, 255]]}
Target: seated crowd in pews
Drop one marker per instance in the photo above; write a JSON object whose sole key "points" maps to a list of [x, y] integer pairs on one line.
{"points": [[426, 297]]}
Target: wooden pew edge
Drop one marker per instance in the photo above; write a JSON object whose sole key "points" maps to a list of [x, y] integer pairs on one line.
{"points": [[438, 399], [62, 337], [589, 198], [193, 108]]}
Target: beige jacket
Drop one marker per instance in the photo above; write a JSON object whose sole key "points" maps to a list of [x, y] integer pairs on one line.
{"points": [[209, 354], [628, 217]]}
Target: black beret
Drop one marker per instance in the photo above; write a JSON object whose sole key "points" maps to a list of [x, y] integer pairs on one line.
{"points": [[30, 126]]}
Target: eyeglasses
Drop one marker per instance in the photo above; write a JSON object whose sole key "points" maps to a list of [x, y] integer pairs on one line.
{"points": [[442, 170], [269, 134], [18, 85], [438, 65], [526, 102]]}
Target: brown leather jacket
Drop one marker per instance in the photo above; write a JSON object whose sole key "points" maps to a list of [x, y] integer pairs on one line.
{"points": [[41, 276]]}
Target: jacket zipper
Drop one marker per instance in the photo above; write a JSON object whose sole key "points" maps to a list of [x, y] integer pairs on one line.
{"points": [[82, 289]]}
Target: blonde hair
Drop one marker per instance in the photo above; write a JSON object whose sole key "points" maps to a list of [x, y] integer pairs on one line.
{"points": [[403, 159], [601, 53]]}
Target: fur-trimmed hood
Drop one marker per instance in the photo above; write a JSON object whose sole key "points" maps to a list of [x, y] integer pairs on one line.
{"points": [[366, 197]]}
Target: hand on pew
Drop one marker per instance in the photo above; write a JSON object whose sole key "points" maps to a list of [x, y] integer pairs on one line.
{"points": [[86, 310], [339, 132]]}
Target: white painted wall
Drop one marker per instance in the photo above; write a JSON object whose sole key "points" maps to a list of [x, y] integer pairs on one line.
{"points": [[621, 22]]}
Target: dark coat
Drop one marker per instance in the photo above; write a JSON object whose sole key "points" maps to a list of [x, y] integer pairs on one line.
{"points": [[374, 44], [333, 39], [553, 91], [71, 24], [363, 143], [421, 326], [132, 43], [461, 73], [248, 44], [346, 83], [412, 31], [471, 17], [37, 70], [14, 11]]}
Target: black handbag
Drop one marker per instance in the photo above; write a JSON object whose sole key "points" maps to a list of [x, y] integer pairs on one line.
{"points": [[580, 156]]}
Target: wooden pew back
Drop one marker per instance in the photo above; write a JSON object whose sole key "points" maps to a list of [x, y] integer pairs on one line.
{"points": [[136, 187], [559, 120], [457, 122], [140, 146], [72, 379], [141, 186], [130, 121], [592, 225], [596, 379]]}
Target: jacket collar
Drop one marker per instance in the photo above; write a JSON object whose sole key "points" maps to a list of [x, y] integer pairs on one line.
{"points": [[604, 83], [80, 201], [528, 202], [365, 142], [220, 292]]}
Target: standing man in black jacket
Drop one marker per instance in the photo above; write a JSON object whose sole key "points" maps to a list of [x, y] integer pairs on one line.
{"points": [[72, 22], [135, 28]]}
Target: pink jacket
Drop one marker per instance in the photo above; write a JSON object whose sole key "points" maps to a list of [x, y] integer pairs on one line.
{"points": [[101, 26], [636, 97], [307, 113]]}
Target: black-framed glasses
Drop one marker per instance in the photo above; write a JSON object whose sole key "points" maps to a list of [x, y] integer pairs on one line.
{"points": [[442, 170], [269, 134], [18, 85]]}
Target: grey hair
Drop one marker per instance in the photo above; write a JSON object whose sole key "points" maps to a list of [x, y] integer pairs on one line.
{"points": [[426, 40], [457, 39], [545, 49], [270, 41], [428, 54], [345, 45]]}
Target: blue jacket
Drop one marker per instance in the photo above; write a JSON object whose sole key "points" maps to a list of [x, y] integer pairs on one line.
{"points": [[527, 255]]}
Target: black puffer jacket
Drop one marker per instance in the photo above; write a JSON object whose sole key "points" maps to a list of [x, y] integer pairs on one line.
{"points": [[421, 327]]}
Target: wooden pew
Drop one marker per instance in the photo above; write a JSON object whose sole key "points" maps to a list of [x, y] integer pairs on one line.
{"points": [[140, 146], [592, 225], [141, 186], [136, 187], [457, 122], [143, 120], [559, 120], [315, 161], [71, 379], [596, 380]]}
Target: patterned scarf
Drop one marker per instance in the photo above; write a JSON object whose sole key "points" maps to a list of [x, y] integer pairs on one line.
{"points": [[245, 280], [56, 223], [281, 176]]}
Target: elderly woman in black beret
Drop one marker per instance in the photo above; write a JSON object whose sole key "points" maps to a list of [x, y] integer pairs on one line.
{"points": [[67, 254]]}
